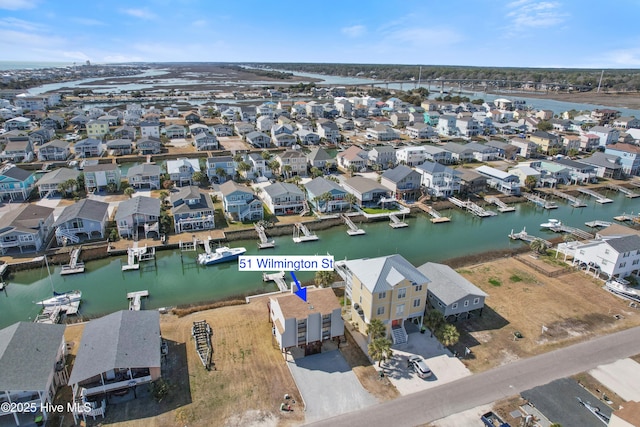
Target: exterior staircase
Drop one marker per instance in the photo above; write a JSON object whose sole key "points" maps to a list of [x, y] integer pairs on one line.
{"points": [[399, 335], [305, 209], [64, 234]]}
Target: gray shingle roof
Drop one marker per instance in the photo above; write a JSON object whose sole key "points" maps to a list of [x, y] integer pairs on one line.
{"points": [[86, 209], [231, 187], [28, 355], [447, 285], [17, 173], [125, 339], [318, 154], [138, 205], [321, 185], [59, 176], [398, 173], [278, 188], [625, 244], [435, 167], [383, 273], [144, 169], [364, 185]]}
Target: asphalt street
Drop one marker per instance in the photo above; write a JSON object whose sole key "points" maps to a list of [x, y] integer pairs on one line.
{"points": [[505, 381]]}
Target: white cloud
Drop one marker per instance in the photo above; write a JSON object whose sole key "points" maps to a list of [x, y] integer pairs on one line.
{"points": [[534, 14], [10, 22], [624, 58], [88, 22], [199, 23], [18, 4], [117, 58], [423, 37], [354, 31], [140, 13]]}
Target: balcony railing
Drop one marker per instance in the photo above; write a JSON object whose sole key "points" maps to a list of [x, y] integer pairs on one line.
{"points": [[117, 385]]}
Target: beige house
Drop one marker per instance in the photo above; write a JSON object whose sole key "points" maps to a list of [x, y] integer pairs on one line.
{"points": [[388, 288], [306, 325]]}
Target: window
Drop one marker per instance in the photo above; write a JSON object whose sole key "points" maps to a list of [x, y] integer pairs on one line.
{"points": [[635, 262], [454, 305], [476, 301], [622, 264], [418, 288], [466, 303], [360, 299], [402, 293], [416, 302], [606, 251], [380, 311], [382, 295], [400, 310]]}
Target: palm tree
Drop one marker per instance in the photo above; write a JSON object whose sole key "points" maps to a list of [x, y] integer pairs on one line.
{"points": [[538, 245], [352, 169], [324, 278], [530, 182], [200, 177], [266, 155], [274, 166], [315, 172], [243, 168], [351, 200], [221, 173], [376, 329], [238, 158], [448, 335], [129, 191], [380, 349], [286, 169], [433, 320]]}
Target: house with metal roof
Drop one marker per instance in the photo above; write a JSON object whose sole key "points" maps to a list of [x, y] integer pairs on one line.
{"points": [[438, 179], [367, 191], [32, 368], [49, 183], [283, 198], [505, 182], [325, 195], [117, 353], [138, 216], [450, 293], [144, 176], [102, 175], [611, 257], [240, 202], [18, 151], [84, 220], [192, 210], [25, 228], [16, 183], [388, 288], [403, 182]]}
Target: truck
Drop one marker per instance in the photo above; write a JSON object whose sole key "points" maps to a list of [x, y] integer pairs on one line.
{"points": [[491, 419]]}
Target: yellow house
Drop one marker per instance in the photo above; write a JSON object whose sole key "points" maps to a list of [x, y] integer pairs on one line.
{"points": [[388, 288], [97, 128]]}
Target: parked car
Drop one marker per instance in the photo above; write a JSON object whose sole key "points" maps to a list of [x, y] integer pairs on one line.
{"points": [[418, 364]]}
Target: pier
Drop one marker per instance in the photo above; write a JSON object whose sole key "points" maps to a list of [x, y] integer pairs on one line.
{"points": [[353, 229], [599, 197], [264, 243], [540, 201], [436, 217], [572, 230], [628, 193], [575, 202], [74, 265], [189, 246], [135, 299], [53, 314], [597, 223], [472, 207], [302, 234], [396, 223], [278, 278], [626, 217], [502, 206], [136, 255], [526, 237]]}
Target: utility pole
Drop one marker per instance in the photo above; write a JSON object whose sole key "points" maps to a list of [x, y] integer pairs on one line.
{"points": [[419, 77], [600, 82]]}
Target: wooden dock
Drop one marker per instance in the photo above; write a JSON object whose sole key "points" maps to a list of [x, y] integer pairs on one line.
{"points": [[502, 207], [572, 230], [526, 237], [395, 222], [539, 201], [597, 223], [626, 217], [135, 299], [599, 197], [74, 265], [436, 217], [628, 193], [472, 207], [353, 229], [278, 278], [575, 202], [264, 242], [302, 234]]}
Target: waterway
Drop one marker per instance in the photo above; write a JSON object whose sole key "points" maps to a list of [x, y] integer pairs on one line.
{"points": [[174, 280]]}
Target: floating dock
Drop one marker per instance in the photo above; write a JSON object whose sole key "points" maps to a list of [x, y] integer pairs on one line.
{"points": [[526, 237], [74, 265], [575, 202], [353, 229], [278, 278], [302, 234], [626, 217], [201, 332], [572, 230], [396, 223], [540, 201], [502, 206], [597, 223], [472, 207], [53, 314], [599, 197], [135, 299], [628, 193], [136, 255], [264, 243]]}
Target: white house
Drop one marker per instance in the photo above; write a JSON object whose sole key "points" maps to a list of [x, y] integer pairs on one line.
{"points": [[617, 257], [439, 180]]}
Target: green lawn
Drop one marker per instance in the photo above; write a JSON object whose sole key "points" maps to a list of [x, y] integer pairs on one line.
{"points": [[378, 210]]}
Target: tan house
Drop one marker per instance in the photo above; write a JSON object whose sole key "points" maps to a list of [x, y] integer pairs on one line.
{"points": [[388, 288], [306, 325]]}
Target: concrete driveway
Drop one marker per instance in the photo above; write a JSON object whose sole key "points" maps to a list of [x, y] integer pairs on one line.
{"points": [[328, 385], [444, 366], [621, 377]]}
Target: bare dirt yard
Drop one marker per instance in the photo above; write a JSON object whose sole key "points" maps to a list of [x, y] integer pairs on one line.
{"points": [[571, 307]]}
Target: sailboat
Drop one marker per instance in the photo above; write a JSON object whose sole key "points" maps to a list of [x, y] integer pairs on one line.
{"points": [[59, 299]]}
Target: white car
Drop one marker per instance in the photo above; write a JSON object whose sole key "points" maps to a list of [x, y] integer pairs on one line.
{"points": [[417, 364]]}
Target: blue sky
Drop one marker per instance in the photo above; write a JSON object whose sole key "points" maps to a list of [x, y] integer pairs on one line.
{"points": [[519, 33]]}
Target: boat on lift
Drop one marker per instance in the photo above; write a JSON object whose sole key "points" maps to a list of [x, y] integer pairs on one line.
{"points": [[220, 255], [552, 223]]}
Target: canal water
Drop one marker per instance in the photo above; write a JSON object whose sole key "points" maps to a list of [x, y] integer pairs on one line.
{"points": [[174, 279]]}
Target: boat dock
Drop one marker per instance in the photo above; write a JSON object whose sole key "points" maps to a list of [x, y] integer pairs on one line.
{"points": [[353, 229], [597, 223], [396, 223], [575, 202], [626, 217], [74, 265], [436, 217], [526, 237], [472, 207], [572, 230], [599, 197], [628, 193], [201, 332], [189, 246], [278, 278], [136, 255], [302, 234], [53, 314], [264, 243], [135, 299], [540, 201], [502, 206]]}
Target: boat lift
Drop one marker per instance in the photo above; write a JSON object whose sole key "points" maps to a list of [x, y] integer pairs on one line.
{"points": [[264, 242], [302, 234], [135, 299], [502, 206], [472, 207], [74, 265], [599, 197], [396, 223], [575, 202]]}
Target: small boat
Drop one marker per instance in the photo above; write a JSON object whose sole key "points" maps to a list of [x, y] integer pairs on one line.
{"points": [[201, 332], [551, 224], [621, 289], [222, 254], [64, 298]]}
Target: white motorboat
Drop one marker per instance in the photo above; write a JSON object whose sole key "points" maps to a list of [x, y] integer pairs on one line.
{"points": [[64, 298], [222, 254], [552, 223], [623, 290]]}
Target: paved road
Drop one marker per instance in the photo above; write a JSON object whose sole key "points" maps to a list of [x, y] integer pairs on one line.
{"points": [[504, 381]]}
